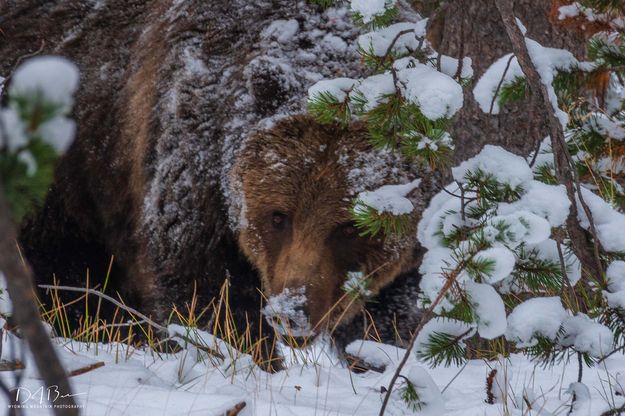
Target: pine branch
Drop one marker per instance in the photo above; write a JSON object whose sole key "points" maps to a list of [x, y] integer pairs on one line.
{"points": [[565, 168], [444, 348], [451, 278]]}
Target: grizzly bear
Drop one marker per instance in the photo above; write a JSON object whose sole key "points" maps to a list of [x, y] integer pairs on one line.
{"points": [[188, 171], [297, 183]]}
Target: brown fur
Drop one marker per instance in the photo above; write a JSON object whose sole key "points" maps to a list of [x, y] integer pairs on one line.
{"points": [[300, 169]]}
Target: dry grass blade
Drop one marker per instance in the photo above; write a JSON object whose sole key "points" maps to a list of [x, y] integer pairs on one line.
{"points": [[135, 313], [110, 299]]}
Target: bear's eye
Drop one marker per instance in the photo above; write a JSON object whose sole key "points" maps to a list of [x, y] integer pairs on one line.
{"points": [[278, 220], [348, 230]]}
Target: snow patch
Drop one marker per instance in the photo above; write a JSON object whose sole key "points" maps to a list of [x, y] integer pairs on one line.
{"points": [[502, 259], [437, 95], [337, 87], [505, 167], [587, 336], [389, 198], [53, 78], [488, 308], [370, 9], [537, 316]]}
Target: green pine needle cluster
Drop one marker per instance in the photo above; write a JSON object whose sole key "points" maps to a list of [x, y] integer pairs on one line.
{"points": [[513, 91], [371, 222], [536, 274], [409, 395], [327, 109], [323, 3], [379, 21], [603, 6], [609, 55], [445, 349], [26, 172], [24, 189]]}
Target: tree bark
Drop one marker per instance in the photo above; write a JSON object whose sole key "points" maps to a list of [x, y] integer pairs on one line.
{"points": [[19, 283], [565, 169], [518, 126]]}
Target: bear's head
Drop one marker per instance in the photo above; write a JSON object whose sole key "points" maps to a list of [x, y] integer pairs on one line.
{"points": [[296, 183]]}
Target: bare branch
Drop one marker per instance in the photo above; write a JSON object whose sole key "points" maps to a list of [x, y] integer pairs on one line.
{"points": [[565, 167], [451, 278], [503, 76], [393, 42]]}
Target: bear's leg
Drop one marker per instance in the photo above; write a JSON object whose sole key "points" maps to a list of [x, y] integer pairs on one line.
{"points": [[394, 311], [61, 250]]}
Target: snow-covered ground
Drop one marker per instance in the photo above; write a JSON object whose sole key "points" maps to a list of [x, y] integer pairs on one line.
{"points": [[140, 382]]}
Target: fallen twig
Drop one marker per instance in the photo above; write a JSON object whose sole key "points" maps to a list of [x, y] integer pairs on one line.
{"points": [[234, 411], [358, 365], [86, 369], [11, 365]]}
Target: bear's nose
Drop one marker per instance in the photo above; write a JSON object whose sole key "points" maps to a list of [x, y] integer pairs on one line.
{"points": [[294, 322], [288, 314]]}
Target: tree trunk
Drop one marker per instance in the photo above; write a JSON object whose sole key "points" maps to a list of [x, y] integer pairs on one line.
{"points": [[19, 283], [474, 29]]}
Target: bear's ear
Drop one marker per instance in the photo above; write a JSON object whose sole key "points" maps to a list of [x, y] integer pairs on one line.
{"points": [[295, 127]]}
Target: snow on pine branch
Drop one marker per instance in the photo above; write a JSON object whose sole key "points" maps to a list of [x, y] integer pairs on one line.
{"points": [[398, 39], [506, 228], [437, 95], [615, 292], [384, 209], [434, 93], [390, 198], [373, 12], [576, 9], [547, 61], [41, 87], [407, 102], [35, 128]]}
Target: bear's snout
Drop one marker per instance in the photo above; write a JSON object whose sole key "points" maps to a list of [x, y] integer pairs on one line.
{"points": [[288, 315]]}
